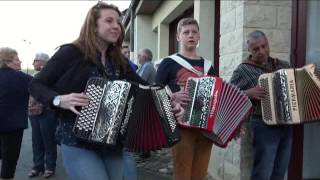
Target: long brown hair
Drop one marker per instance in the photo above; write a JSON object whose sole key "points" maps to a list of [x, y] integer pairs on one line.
{"points": [[87, 41]]}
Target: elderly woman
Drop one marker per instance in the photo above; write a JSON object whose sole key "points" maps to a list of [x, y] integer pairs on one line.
{"points": [[13, 109]]}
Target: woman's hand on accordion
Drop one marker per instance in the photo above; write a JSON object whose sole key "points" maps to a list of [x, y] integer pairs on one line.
{"points": [[71, 101], [178, 110], [255, 93], [180, 97]]}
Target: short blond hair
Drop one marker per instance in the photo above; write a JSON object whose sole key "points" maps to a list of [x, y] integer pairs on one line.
{"points": [[6, 56], [186, 21]]}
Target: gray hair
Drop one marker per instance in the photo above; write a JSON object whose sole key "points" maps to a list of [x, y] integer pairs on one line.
{"points": [[148, 53], [255, 35], [41, 57]]}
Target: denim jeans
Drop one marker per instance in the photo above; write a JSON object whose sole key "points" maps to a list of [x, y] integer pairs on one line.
{"points": [[130, 166], [85, 164], [272, 150], [44, 145]]}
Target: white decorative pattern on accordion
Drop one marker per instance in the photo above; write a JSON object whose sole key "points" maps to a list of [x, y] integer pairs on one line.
{"points": [[293, 95], [126, 118], [100, 121], [226, 104], [133, 115], [197, 112]]}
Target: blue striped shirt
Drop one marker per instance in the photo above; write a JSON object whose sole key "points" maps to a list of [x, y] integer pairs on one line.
{"points": [[246, 76]]}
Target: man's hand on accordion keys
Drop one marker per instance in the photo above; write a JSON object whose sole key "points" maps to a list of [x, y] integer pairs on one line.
{"points": [[71, 101], [181, 97], [255, 93], [178, 110]]}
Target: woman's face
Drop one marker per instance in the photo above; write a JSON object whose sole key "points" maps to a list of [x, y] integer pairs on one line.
{"points": [[108, 25], [15, 63]]}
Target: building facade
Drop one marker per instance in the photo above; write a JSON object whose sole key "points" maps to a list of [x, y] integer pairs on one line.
{"points": [[291, 27]]}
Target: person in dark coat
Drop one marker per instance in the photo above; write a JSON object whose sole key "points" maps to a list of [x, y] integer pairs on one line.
{"points": [[14, 98]]}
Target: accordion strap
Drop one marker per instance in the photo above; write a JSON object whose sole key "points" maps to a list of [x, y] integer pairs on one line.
{"points": [[187, 65]]}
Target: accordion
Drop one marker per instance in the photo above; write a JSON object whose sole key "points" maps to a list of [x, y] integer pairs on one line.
{"points": [[217, 108], [292, 95], [135, 116]]}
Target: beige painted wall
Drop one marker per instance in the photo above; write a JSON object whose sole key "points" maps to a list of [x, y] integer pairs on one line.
{"points": [[204, 14], [144, 37]]}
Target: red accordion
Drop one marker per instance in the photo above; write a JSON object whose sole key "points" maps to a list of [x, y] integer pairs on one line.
{"points": [[217, 108], [152, 125]]}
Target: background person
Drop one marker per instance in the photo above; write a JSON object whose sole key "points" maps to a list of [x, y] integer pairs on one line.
{"points": [[43, 122], [126, 52], [14, 98], [146, 70]]}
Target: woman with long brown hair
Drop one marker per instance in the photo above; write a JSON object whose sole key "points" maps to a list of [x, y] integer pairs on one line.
{"points": [[96, 53]]}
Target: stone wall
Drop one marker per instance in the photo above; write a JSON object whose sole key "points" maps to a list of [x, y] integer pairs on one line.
{"points": [[238, 18]]}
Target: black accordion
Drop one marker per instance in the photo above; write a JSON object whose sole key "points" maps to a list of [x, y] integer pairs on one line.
{"points": [[217, 108], [135, 116], [292, 95]]}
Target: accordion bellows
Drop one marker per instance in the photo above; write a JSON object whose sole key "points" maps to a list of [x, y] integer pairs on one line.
{"points": [[135, 116], [292, 95], [217, 108]]}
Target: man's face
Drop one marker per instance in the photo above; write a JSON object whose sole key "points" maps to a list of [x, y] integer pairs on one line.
{"points": [[38, 64], [126, 52], [189, 36], [142, 57], [259, 49]]}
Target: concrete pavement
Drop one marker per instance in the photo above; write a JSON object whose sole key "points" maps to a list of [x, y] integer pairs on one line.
{"points": [[25, 164], [157, 167]]}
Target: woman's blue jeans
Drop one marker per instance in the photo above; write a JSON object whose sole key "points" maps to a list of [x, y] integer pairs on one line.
{"points": [[272, 150], [130, 166], [85, 164]]}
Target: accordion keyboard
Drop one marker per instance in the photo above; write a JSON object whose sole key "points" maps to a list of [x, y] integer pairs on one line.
{"points": [[267, 106], [164, 102], [87, 118]]}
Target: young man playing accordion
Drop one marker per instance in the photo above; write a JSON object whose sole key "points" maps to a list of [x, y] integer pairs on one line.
{"points": [[192, 154], [272, 144]]}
